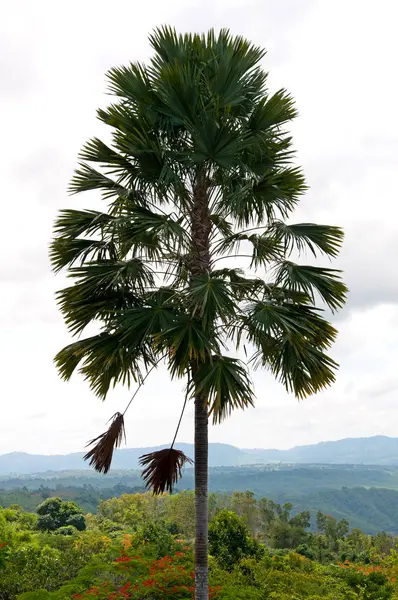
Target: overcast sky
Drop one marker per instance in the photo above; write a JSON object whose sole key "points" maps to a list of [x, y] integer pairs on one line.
{"points": [[338, 59]]}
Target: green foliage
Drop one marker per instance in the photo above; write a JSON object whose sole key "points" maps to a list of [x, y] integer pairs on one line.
{"points": [[158, 535], [372, 586], [65, 530], [55, 513], [101, 562], [47, 523], [229, 539], [77, 521]]}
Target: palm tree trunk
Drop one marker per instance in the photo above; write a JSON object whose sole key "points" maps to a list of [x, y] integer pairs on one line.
{"points": [[201, 227], [201, 499]]}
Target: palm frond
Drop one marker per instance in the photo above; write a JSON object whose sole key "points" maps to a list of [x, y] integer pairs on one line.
{"points": [[102, 290], [209, 297], [302, 368], [72, 223], [272, 111], [100, 456], [258, 200], [187, 342], [266, 321], [225, 384], [241, 287], [105, 361], [66, 251], [325, 238], [326, 282], [163, 468], [87, 179]]}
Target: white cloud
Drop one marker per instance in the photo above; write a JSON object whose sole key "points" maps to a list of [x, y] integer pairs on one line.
{"points": [[338, 61]]}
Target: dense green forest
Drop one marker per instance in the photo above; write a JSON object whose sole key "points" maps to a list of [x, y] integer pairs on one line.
{"points": [[139, 546], [366, 496]]}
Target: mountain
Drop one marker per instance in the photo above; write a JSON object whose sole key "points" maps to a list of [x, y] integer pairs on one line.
{"points": [[23, 463], [376, 450]]}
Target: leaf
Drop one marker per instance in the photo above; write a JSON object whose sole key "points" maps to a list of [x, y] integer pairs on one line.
{"points": [[209, 298], [273, 111], [73, 223], [326, 238], [103, 289], [86, 179], [259, 199], [106, 360], [163, 468], [296, 322], [187, 342], [327, 282], [225, 384], [242, 287], [100, 456], [302, 368], [290, 339], [66, 251]]}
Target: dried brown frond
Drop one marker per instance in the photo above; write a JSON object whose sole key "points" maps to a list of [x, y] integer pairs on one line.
{"points": [[100, 456], [163, 469]]}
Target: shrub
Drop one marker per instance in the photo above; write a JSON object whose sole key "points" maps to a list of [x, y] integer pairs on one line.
{"points": [[229, 539]]}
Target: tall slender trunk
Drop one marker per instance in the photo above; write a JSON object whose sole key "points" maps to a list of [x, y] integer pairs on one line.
{"points": [[201, 226], [201, 500]]}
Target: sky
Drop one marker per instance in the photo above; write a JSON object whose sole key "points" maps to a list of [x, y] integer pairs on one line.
{"points": [[338, 59]]}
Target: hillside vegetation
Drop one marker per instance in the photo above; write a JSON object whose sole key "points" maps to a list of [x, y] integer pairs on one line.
{"points": [[366, 496], [140, 547]]}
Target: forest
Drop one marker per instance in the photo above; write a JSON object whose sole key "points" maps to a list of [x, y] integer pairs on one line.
{"points": [[367, 496], [141, 546]]}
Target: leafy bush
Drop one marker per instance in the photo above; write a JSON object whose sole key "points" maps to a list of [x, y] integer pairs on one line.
{"points": [[55, 513], [65, 530], [229, 539]]}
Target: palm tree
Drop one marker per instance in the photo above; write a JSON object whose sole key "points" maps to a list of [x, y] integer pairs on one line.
{"points": [[199, 165]]}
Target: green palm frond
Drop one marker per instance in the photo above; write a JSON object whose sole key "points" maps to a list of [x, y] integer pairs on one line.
{"points": [[96, 151], [302, 368], [167, 227], [223, 226], [259, 200], [105, 361], [147, 324], [87, 178], [225, 383], [272, 111], [132, 83], [326, 282], [102, 290], [290, 340], [66, 251], [133, 275], [241, 287], [73, 223], [209, 297], [81, 305], [187, 343], [324, 238], [266, 248], [289, 321]]}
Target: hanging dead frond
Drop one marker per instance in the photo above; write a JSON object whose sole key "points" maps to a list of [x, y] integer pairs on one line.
{"points": [[100, 456], [163, 469]]}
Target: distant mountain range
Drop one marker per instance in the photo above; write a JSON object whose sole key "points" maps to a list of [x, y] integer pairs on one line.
{"points": [[376, 450]]}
